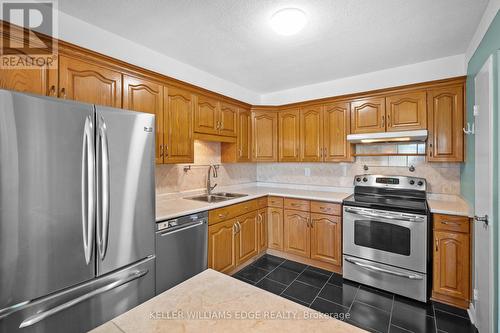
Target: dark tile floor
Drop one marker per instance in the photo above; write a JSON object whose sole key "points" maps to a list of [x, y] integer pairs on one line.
{"points": [[371, 309]]}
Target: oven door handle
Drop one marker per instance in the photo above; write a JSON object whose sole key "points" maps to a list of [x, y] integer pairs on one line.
{"points": [[383, 270], [387, 217]]}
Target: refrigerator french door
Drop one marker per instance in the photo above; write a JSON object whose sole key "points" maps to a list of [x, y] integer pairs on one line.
{"points": [[76, 213]]}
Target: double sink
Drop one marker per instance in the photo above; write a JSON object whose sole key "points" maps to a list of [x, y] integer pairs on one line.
{"points": [[217, 197]]}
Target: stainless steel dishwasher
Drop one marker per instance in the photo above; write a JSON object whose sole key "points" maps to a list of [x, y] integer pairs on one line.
{"points": [[181, 249]]}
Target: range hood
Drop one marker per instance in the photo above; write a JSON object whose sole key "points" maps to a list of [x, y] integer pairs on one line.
{"points": [[403, 136]]}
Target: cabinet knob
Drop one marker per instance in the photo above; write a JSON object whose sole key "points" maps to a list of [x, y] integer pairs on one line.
{"points": [[52, 90]]}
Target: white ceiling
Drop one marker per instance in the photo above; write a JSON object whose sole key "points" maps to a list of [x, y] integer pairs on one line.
{"points": [[232, 39]]}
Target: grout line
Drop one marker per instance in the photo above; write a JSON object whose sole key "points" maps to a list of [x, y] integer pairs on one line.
{"points": [[324, 299], [390, 315], [321, 288], [293, 280], [435, 317], [453, 314], [354, 299], [401, 328], [281, 263]]}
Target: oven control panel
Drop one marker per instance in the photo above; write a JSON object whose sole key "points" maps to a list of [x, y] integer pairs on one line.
{"points": [[397, 182]]}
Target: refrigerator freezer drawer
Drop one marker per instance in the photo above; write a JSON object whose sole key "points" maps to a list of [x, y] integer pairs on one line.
{"points": [[88, 305], [397, 280]]}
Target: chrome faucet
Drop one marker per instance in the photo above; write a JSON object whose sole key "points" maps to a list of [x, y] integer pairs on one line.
{"points": [[212, 171]]}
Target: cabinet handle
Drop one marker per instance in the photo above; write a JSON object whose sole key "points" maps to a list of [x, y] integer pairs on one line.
{"points": [[295, 204], [221, 125], [389, 120], [238, 226], [383, 121], [451, 223], [52, 90], [222, 216], [240, 152], [437, 243], [161, 150], [63, 92], [166, 151], [234, 229]]}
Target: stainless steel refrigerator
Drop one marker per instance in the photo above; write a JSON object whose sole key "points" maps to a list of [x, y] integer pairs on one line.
{"points": [[76, 213]]}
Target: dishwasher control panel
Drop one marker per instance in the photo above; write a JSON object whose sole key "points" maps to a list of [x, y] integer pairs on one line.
{"points": [[182, 221]]}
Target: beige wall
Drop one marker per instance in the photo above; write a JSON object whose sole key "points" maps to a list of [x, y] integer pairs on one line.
{"points": [[442, 177]]}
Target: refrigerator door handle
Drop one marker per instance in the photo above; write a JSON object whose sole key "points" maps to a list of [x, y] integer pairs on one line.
{"points": [[88, 188], [43, 315], [103, 188]]}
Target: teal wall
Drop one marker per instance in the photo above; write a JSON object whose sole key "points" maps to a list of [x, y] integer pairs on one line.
{"points": [[489, 46]]}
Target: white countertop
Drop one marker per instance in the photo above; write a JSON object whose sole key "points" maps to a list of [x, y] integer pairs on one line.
{"points": [[221, 303], [169, 207]]}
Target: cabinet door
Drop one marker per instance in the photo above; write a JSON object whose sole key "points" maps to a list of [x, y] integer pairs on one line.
{"points": [[246, 237], [146, 96], [445, 122], [178, 140], [451, 264], [85, 82], [221, 246], [406, 112], [311, 134], [206, 115], [275, 228], [326, 238], [296, 233], [262, 229], [368, 115], [289, 135], [336, 122], [35, 81], [228, 119], [244, 139], [265, 136]]}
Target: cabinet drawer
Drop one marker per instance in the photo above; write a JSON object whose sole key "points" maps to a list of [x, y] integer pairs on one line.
{"points": [[297, 204], [451, 223], [325, 208], [275, 202], [225, 213], [262, 202]]}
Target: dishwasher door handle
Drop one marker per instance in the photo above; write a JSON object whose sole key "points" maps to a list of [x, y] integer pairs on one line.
{"points": [[189, 226]]}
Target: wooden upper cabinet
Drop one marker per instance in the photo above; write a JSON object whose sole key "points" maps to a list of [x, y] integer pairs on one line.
{"points": [[244, 138], [296, 233], [336, 123], [221, 246], [178, 126], [228, 119], [289, 135], [275, 228], [406, 112], [246, 237], [206, 115], [451, 265], [445, 142], [85, 82], [40, 81], [146, 96], [311, 134], [368, 115], [265, 136], [326, 238]]}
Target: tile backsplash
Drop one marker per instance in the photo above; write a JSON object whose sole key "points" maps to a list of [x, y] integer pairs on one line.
{"points": [[443, 178], [171, 178]]}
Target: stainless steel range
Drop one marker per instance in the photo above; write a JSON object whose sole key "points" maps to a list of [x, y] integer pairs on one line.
{"points": [[386, 229]]}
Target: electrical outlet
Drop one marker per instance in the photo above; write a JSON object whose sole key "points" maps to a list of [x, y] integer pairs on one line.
{"points": [[307, 172], [476, 110], [476, 294]]}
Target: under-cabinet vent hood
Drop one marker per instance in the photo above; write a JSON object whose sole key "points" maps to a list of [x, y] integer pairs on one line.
{"points": [[403, 136]]}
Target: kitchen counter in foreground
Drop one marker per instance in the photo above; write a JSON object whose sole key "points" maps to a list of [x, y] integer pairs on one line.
{"points": [[222, 304], [169, 208]]}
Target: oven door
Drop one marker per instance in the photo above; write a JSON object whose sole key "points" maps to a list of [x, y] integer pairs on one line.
{"points": [[392, 238]]}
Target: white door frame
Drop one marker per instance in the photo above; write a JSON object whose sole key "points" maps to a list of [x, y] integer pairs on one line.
{"points": [[486, 68]]}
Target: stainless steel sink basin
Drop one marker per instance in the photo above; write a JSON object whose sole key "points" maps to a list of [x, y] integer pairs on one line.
{"points": [[230, 195], [209, 198], [217, 197]]}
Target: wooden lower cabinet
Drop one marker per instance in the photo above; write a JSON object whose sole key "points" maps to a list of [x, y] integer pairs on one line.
{"points": [[275, 228], [246, 237], [296, 232], [221, 246], [451, 262], [262, 229], [326, 238]]}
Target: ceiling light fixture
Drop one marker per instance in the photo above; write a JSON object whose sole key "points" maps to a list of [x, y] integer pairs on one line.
{"points": [[288, 21]]}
